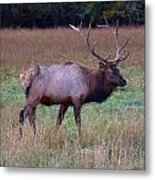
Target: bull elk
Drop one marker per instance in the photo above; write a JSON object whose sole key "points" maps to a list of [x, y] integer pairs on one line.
{"points": [[72, 83]]}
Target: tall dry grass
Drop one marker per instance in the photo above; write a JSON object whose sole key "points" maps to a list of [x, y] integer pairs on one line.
{"points": [[28, 47]]}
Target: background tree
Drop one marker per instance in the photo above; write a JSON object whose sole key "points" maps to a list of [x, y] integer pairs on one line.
{"points": [[46, 15]]}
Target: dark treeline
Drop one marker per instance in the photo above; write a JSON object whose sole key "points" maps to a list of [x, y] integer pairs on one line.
{"points": [[46, 15]]}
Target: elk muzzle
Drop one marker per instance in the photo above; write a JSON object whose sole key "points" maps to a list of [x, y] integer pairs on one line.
{"points": [[122, 82]]}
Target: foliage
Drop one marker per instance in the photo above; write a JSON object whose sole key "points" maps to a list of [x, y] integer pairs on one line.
{"points": [[45, 15]]}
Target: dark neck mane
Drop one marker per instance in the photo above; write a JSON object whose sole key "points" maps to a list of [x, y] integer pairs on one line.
{"points": [[100, 88]]}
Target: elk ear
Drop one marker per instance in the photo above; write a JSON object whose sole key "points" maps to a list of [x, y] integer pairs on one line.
{"points": [[101, 65]]}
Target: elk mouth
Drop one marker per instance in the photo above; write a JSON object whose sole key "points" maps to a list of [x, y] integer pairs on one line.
{"points": [[122, 83]]}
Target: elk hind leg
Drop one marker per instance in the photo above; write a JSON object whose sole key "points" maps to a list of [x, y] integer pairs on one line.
{"points": [[31, 116], [22, 116]]}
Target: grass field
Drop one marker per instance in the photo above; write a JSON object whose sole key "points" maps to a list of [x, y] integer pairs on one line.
{"points": [[113, 133]]}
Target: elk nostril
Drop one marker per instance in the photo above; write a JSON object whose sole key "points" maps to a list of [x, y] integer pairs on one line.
{"points": [[125, 82]]}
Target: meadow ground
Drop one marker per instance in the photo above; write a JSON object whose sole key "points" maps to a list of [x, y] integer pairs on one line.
{"points": [[113, 133]]}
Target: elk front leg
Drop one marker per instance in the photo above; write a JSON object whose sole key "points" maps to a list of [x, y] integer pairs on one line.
{"points": [[61, 113], [77, 113]]}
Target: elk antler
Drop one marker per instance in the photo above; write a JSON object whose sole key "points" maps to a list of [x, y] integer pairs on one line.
{"points": [[86, 39], [118, 56]]}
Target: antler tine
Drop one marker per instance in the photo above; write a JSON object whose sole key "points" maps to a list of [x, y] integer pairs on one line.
{"points": [[118, 56], [115, 33], [108, 25], [125, 43], [80, 25], [122, 58], [90, 48], [87, 38]]}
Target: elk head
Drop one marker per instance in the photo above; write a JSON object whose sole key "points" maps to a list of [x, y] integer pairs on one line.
{"points": [[108, 67]]}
